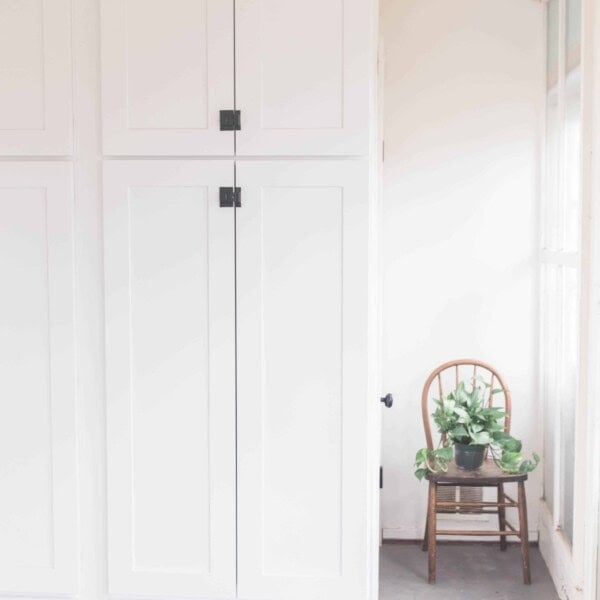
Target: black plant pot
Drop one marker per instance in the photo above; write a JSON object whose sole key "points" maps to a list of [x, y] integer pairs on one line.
{"points": [[469, 457]]}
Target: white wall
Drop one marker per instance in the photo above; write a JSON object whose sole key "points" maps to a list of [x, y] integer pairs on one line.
{"points": [[463, 116]]}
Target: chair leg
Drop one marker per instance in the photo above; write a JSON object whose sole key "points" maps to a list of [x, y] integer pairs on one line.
{"points": [[524, 533], [425, 544], [431, 529], [501, 516]]}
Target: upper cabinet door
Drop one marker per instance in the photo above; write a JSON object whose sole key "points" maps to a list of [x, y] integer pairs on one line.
{"points": [[38, 509], [303, 379], [35, 77], [167, 71], [303, 76], [170, 360]]}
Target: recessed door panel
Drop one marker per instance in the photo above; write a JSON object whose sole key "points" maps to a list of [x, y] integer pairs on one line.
{"points": [[302, 76], [170, 369], [302, 379], [167, 71], [38, 516], [35, 77]]}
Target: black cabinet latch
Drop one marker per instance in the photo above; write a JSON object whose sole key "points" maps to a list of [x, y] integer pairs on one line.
{"points": [[230, 120], [229, 197]]}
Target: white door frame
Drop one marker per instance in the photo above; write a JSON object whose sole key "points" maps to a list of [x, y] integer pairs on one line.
{"points": [[589, 429]]}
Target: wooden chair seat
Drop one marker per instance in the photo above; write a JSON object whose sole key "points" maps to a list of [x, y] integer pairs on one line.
{"points": [[489, 474]]}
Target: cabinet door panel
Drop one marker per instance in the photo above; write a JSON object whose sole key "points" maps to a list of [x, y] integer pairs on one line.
{"points": [[302, 380], [38, 516], [170, 377], [302, 74], [167, 70], [35, 77]]}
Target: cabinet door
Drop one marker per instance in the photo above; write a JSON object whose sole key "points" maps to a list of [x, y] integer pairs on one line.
{"points": [[38, 511], [303, 76], [167, 71], [170, 358], [302, 264], [35, 77]]}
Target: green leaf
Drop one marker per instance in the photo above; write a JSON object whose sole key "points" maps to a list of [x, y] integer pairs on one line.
{"points": [[445, 453], [432, 461], [463, 414], [494, 412], [508, 456], [420, 473], [527, 465], [459, 431], [510, 444], [421, 455], [482, 438]]}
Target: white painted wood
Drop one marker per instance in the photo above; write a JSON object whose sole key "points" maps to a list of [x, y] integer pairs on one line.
{"points": [[587, 480], [167, 70], [304, 76], [303, 379], [89, 300], [38, 511], [169, 259], [35, 77], [558, 556]]}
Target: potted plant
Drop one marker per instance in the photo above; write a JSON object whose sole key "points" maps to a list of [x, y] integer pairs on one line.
{"points": [[469, 428]]}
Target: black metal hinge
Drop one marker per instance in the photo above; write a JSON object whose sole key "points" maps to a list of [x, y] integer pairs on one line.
{"points": [[229, 197], [230, 120]]}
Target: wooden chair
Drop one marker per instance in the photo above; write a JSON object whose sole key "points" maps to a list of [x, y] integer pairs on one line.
{"points": [[440, 382]]}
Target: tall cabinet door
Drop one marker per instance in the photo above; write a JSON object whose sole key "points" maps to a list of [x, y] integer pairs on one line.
{"points": [[35, 77], [167, 71], [38, 510], [170, 358], [302, 266], [303, 76]]}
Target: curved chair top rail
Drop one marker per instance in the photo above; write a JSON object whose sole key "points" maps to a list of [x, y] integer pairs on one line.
{"points": [[451, 372]]}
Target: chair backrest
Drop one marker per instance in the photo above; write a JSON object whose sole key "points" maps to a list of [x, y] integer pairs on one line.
{"points": [[446, 377]]}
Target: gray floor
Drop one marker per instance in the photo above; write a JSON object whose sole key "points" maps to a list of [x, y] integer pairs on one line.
{"points": [[464, 572]]}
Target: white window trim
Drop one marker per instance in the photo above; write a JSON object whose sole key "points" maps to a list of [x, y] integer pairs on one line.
{"points": [[588, 429]]}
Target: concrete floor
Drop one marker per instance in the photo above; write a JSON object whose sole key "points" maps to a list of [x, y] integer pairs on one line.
{"points": [[464, 572]]}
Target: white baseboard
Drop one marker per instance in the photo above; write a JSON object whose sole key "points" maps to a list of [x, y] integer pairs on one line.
{"points": [[470, 522], [558, 556]]}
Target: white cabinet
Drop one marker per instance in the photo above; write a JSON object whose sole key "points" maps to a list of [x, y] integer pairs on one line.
{"points": [[304, 76], [35, 77], [170, 348], [303, 73], [303, 380], [239, 374], [286, 322], [38, 510], [167, 71]]}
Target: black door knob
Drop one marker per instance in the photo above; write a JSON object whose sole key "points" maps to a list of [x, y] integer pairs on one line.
{"points": [[388, 400]]}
